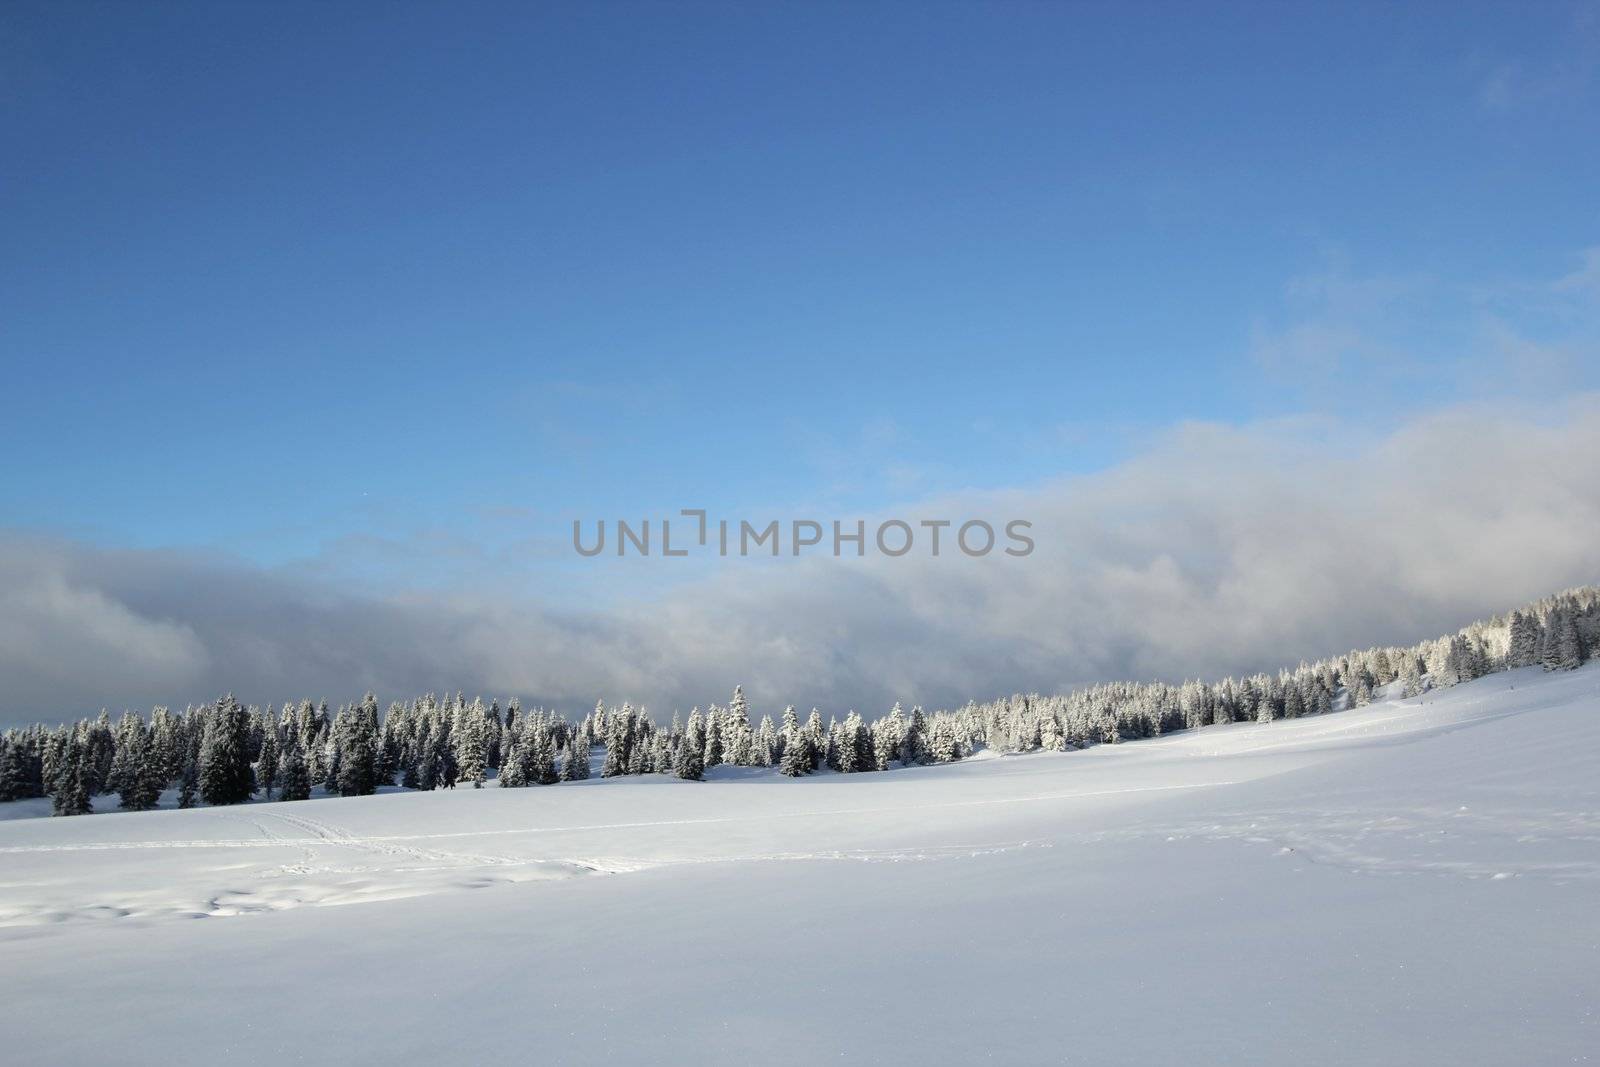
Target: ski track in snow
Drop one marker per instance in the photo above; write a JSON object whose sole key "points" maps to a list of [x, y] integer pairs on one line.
{"points": [[416, 871], [329, 835]]}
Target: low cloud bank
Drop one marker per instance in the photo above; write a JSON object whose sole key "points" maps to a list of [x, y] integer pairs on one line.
{"points": [[1218, 550]]}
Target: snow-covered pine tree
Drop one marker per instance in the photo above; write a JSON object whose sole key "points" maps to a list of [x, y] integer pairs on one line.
{"points": [[542, 757], [294, 774], [639, 757], [575, 767], [513, 766], [470, 733], [615, 762], [796, 758], [493, 726], [139, 783], [100, 746], [267, 765], [1565, 650], [713, 744], [225, 773], [691, 753], [12, 771], [1223, 707], [665, 758], [818, 732], [188, 784], [766, 743], [74, 777], [1410, 676], [355, 741], [1245, 700], [943, 747], [887, 734], [914, 746], [843, 736], [736, 733]]}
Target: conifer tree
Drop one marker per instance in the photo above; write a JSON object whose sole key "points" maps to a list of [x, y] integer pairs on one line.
{"points": [[470, 733], [295, 774], [188, 784], [267, 765], [691, 753], [737, 736], [796, 758], [11, 770], [614, 763], [575, 767], [74, 778], [1522, 647], [139, 782], [713, 742], [1410, 676], [914, 746], [355, 738], [225, 773], [942, 744], [513, 767], [766, 743], [1294, 705], [1565, 650]]}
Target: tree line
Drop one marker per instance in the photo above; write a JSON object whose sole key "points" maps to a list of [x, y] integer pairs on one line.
{"points": [[227, 753]]}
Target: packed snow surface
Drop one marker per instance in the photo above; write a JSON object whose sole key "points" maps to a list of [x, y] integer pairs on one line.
{"points": [[1416, 881]]}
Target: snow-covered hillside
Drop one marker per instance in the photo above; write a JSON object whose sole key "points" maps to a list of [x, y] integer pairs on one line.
{"points": [[1416, 881]]}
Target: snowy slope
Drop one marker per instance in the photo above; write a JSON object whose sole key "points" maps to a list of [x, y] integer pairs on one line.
{"points": [[1417, 881]]}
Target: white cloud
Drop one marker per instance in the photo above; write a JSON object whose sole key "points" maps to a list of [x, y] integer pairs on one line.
{"points": [[1218, 549], [67, 639]]}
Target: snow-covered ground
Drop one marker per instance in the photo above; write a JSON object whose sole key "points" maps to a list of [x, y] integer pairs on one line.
{"points": [[1417, 881]]}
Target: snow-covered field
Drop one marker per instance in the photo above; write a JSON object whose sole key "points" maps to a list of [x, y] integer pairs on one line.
{"points": [[1417, 881]]}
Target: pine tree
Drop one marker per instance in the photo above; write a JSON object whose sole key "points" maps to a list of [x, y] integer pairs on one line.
{"points": [[1294, 704], [493, 725], [691, 753], [513, 767], [766, 743], [1522, 649], [713, 743], [1410, 676], [1223, 708], [100, 748], [295, 774], [225, 773], [796, 759], [74, 778], [639, 758], [12, 772], [575, 767], [1566, 650], [139, 782], [914, 746], [615, 762], [355, 736], [737, 735], [188, 784], [267, 765], [471, 744]]}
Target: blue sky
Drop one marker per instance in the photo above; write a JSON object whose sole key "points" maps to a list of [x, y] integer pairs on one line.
{"points": [[367, 291], [276, 274]]}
